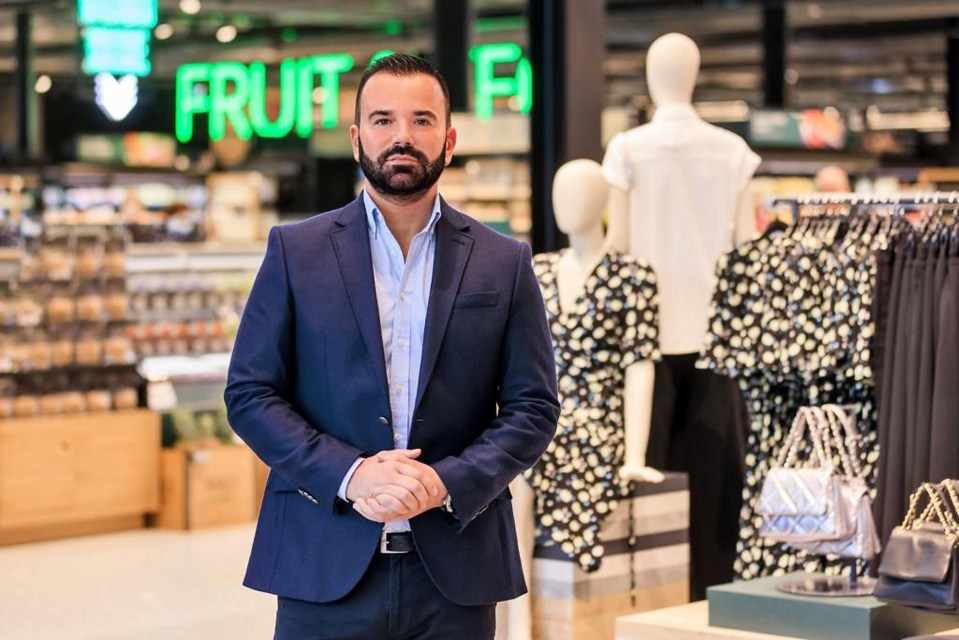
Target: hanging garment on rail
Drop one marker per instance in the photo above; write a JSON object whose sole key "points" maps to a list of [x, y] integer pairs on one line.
{"points": [[792, 323], [917, 364]]}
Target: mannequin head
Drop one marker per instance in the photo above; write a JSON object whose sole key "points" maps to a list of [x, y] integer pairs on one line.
{"points": [[832, 179], [672, 64], [580, 193]]}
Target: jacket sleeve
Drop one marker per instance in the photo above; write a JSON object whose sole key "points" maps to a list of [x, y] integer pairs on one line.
{"points": [[527, 402], [259, 389]]}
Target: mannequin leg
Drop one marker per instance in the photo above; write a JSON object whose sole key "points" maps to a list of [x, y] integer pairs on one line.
{"points": [[518, 612]]}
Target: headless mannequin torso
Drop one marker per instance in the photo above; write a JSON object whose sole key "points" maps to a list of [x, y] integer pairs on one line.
{"points": [[580, 193]]}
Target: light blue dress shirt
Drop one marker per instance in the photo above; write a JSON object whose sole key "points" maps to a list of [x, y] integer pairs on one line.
{"points": [[402, 295]]}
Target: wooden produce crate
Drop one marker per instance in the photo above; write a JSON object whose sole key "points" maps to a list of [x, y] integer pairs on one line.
{"points": [[207, 486]]}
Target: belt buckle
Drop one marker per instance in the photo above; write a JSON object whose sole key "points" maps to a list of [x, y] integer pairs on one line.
{"points": [[384, 543]]}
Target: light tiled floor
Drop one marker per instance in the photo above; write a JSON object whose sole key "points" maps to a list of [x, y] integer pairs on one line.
{"points": [[138, 585]]}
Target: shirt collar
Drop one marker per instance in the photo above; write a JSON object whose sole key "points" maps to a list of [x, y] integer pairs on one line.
{"points": [[374, 217], [676, 111]]}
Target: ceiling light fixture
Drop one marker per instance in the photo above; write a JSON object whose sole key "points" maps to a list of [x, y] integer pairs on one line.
{"points": [[43, 84], [226, 33], [163, 31], [190, 7]]}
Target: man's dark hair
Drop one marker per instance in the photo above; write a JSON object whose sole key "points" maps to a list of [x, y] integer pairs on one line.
{"points": [[401, 64]]}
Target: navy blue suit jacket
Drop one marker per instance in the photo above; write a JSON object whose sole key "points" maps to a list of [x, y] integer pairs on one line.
{"points": [[307, 391]]}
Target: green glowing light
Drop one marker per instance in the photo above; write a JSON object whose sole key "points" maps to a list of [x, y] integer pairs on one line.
{"points": [[237, 93], [393, 27], [329, 67], [188, 101], [489, 86], [379, 55], [229, 105], [287, 116]]}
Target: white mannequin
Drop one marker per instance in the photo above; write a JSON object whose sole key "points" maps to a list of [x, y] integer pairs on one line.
{"points": [[579, 194], [672, 64], [680, 199]]}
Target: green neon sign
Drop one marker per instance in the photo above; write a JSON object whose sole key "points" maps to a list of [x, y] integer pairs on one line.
{"points": [[490, 86], [329, 67], [236, 93], [233, 89], [284, 122]]}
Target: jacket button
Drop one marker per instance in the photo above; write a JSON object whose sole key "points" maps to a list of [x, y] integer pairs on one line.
{"points": [[384, 421]]}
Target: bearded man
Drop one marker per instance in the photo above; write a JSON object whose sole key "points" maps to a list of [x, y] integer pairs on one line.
{"points": [[394, 369]]}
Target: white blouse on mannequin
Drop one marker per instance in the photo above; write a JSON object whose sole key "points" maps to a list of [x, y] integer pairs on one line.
{"points": [[679, 198]]}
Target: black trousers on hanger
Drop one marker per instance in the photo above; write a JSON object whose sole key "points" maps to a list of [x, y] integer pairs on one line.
{"points": [[698, 427]]}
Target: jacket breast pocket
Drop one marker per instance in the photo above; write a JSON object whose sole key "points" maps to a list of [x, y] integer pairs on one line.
{"points": [[478, 299]]}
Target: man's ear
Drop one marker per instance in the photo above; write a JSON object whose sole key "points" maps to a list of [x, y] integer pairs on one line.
{"points": [[450, 143], [355, 141]]}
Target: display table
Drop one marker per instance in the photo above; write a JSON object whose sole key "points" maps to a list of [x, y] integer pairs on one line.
{"points": [[685, 622], [691, 622], [758, 606], [570, 604]]}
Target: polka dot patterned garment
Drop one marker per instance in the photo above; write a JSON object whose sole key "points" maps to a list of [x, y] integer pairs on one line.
{"points": [[791, 321], [614, 323]]}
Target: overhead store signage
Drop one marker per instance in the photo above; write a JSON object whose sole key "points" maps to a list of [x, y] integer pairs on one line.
{"points": [[116, 42], [807, 129], [116, 35], [489, 86], [236, 93]]}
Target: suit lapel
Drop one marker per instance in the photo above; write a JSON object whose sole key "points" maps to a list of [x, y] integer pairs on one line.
{"points": [[453, 246], [351, 244]]}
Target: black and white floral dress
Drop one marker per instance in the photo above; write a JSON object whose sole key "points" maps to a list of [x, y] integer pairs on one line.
{"points": [[613, 324], [791, 321]]}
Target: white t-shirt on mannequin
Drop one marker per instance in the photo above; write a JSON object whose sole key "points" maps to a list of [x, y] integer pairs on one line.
{"points": [[684, 178]]}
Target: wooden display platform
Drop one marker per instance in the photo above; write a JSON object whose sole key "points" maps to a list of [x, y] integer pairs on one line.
{"points": [[570, 604], [72, 475]]}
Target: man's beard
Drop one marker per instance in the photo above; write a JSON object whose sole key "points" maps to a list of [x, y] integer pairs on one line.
{"points": [[402, 181]]}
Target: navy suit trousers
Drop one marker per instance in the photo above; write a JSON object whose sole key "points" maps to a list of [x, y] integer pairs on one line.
{"points": [[395, 600]]}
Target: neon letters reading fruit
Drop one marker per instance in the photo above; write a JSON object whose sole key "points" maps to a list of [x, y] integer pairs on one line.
{"points": [[236, 92]]}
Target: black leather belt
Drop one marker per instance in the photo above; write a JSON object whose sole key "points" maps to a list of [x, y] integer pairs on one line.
{"points": [[396, 542]]}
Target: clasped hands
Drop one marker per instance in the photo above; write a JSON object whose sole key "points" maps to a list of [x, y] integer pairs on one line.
{"points": [[394, 485]]}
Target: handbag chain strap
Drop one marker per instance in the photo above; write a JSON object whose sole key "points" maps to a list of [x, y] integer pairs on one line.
{"points": [[830, 427], [944, 513], [952, 509], [790, 449], [844, 439]]}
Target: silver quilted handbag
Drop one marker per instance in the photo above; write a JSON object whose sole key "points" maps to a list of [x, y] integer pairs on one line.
{"points": [[862, 541], [803, 504]]}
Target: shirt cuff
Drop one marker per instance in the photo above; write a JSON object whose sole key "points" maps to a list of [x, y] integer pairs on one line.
{"points": [[341, 493]]}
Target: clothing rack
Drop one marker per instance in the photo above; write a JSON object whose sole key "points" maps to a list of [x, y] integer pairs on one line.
{"points": [[901, 200]]}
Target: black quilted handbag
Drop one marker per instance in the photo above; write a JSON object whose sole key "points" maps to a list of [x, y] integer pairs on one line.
{"points": [[920, 563]]}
